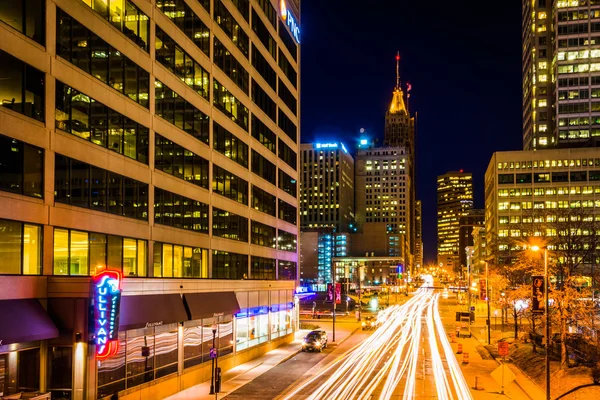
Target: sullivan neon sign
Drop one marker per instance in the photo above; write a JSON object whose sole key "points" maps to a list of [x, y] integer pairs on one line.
{"points": [[107, 301], [290, 21]]}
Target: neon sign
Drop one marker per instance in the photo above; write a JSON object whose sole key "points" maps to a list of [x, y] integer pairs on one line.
{"points": [[107, 302], [326, 145], [290, 21]]}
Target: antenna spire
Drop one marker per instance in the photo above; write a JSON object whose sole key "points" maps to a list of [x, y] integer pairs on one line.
{"points": [[398, 70]]}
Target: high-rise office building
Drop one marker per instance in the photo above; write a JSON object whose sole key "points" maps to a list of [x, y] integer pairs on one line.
{"points": [[326, 187], [149, 151], [454, 200], [418, 255], [473, 219], [561, 74]]}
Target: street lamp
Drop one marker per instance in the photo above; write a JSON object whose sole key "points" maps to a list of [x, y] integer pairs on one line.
{"points": [[487, 298], [547, 315], [212, 372]]}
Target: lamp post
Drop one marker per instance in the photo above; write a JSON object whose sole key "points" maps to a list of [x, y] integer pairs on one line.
{"points": [[547, 316], [487, 298], [212, 372]]}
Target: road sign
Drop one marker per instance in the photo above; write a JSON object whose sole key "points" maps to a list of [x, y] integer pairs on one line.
{"points": [[213, 352], [503, 349], [503, 375]]}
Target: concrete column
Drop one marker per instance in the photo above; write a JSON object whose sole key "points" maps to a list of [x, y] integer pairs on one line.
{"points": [[80, 351], [180, 355], [43, 366]]}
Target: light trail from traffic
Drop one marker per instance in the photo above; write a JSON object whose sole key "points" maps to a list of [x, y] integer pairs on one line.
{"points": [[376, 367]]}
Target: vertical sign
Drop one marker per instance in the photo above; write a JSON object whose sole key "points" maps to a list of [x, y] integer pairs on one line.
{"points": [[482, 289], [338, 293], [537, 294], [329, 292], [290, 21], [107, 302]]}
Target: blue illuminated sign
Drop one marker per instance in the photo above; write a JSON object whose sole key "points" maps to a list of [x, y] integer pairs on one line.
{"points": [[364, 142], [290, 21], [326, 145], [344, 148], [107, 302]]}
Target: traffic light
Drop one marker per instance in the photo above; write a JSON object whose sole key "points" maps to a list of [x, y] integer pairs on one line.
{"points": [[482, 289]]}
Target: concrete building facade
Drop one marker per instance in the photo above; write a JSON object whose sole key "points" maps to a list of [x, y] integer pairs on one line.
{"points": [[467, 223], [156, 143], [418, 255]]}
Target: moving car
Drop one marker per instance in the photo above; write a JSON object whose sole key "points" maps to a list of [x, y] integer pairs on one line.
{"points": [[369, 323], [315, 340]]}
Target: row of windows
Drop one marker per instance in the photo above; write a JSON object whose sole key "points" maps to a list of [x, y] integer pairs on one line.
{"points": [[22, 87], [549, 191], [578, 42], [269, 11], [243, 7], [576, 121], [287, 241], [176, 60], [83, 116], [84, 185], [578, 68], [544, 177], [21, 248], [86, 50], [288, 41], [228, 64], [575, 108], [181, 212], [263, 101], [263, 167], [540, 205], [263, 35], [187, 21], [288, 98], [578, 54], [262, 268], [264, 68], [578, 94], [27, 17], [180, 162], [578, 133], [287, 212], [287, 126], [287, 69], [230, 105], [227, 265], [126, 17], [263, 201], [263, 134], [288, 184], [181, 113], [229, 145], [566, 163], [21, 168], [577, 15], [228, 225], [231, 27], [229, 185], [579, 81], [173, 261], [263, 235], [287, 154]]}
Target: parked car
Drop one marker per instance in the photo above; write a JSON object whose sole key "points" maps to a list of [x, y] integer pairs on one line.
{"points": [[315, 341], [369, 323]]}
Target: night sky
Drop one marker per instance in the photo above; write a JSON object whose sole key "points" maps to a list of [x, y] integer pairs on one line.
{"points": [[464, 65]]}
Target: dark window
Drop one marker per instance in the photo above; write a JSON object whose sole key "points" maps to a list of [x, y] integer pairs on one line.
{"points": [[263, 201], [187, 21], [263, 67], [73, 185], [230, 26], [243, 7], [21, 87], [263, 101], [169, 54], [229, 225], [263, 235], [229, 105], [263, 35], [26, 16], [287, 126], [540, 177], [560, 177], [229, 145], [579, 176], [263, 167], [21, 168], [594, 175], [506, 178], [176, 110], [523, 178], [269, 11], [288, 41], [100, 59], [262, 268], [288, 98], [287, 212], [288, 69], [180, 162], [287, 270], [263, 134], [174, 210], [229, 185], [82, 116], [287, 183], [60, 366], [228, 64], [287, 154], [226, 265], [286, 241]]}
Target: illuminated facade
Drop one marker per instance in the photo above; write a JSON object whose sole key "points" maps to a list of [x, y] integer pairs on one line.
{"points": [[159, 140], [418, 255], [454, 200], [326, 187], [467, 223]]}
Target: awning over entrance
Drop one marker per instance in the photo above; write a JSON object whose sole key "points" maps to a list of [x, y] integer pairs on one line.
{"points": [[151, 310], [206, 305], [24, 320]]}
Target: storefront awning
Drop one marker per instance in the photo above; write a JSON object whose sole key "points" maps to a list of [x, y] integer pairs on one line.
{"points": [[24, 320], [206, 305], [151, 310]]}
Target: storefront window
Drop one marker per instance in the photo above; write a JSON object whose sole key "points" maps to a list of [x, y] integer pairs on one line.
{"points": [[60, 366], [166, 350], [140, 356], [20, 371], [225, 335], [20, 245], [241, 337], [111, 371], [192, 343]]}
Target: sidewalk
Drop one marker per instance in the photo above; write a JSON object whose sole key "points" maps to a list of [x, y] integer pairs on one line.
{"points": [[244, 373], [482, 364]]}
